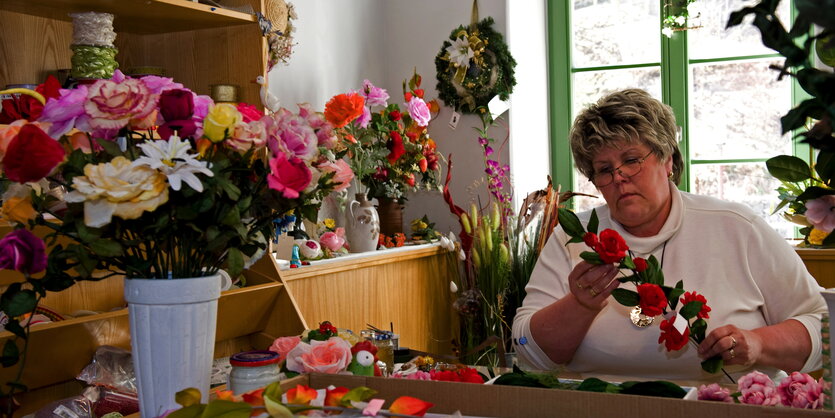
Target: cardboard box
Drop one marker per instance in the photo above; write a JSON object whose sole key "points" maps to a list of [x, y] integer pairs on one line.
{"points": [[512, 401]]}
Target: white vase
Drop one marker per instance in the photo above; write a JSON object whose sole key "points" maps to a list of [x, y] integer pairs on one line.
{"points": [[172, 332], [362, 225]]}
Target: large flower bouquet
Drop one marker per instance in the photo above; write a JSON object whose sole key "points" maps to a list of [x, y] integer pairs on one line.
{"points": [[651, 297], [143, 178], [388, 148]]}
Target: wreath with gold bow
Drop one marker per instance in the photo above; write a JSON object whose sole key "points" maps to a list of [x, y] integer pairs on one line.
{"points": [[473, 66]]}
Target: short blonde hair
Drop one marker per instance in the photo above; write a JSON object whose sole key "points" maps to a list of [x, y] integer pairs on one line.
{"points": [[630, 115]]}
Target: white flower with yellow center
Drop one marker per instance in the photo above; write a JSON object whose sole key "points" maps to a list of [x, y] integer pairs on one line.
{"points": [[460, 52], [173, 160], [117, 188]]}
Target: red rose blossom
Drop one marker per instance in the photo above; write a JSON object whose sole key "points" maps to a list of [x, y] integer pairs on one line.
{"points": [[394, 115], [31, 155], [611, 247], [640, 264], [669, 335], [327, 327], [652, 299], [695, 297], [590, 238], [395, 146]]}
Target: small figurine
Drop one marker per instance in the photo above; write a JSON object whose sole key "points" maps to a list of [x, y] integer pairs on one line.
{"points": [[364, 360], [269, 100], [295, 262]]}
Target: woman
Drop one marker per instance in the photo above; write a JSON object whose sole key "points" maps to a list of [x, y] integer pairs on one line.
{"points": [[766, 308]]}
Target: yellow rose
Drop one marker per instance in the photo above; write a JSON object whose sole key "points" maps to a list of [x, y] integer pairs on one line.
{"points": [[220, 122], [329, 223], [118, 188], [18, 209], [817, 236]]}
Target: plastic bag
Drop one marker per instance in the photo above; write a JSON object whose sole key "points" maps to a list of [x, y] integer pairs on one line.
{"points": [[75, 407], [106, 400], [111, 367]]}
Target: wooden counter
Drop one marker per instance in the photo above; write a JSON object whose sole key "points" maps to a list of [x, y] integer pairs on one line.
{"points": [[820, 263]]}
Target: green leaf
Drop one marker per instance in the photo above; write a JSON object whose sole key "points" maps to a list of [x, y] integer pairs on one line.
{"points": [[698, 329], [106, 248], [14, 327], [18, 303], [192, 411], [591, 256], [657, 388], [11, 354], [234, 262], [825, 165], [713, 365], [594, 384], [788, 168], [593, 222], [673, 294], [796, 117], [626, 297], [628, 263], [634, 278], [358, 394], [273, 390], [227, 409], [690, 309], [570, 223], [815, 192], [110, 147], [232, 217]]}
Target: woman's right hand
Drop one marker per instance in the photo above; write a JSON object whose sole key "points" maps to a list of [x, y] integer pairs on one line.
{"points": [[591, 284]]}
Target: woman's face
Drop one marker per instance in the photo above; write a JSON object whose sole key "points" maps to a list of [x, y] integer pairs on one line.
{"points": [[641, 203]]}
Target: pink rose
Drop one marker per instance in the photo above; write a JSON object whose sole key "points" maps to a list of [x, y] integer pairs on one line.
{"points": [[714, 392], [799, 390], [249, 112], [21, 250], [330, 356], [758, 389], [363, 120], [114, 105], [288, 175], [157, 84], [248, 135], [419, 111], [290, 134], [324, 130], [333, 240], [374, 96], [342, 173], [820, 212], [284, 345]]}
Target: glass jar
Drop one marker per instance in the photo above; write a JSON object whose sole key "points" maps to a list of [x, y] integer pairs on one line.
{"points": [[385, 350], [253, 370]]}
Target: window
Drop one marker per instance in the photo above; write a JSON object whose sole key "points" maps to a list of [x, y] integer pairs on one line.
{"points": [[727, 101]]}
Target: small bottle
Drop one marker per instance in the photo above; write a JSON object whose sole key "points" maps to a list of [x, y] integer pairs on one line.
{"points": [[385, 350], [253, 370]]}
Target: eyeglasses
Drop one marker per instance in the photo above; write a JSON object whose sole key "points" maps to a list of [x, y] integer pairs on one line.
{"points": [[628, 169]]}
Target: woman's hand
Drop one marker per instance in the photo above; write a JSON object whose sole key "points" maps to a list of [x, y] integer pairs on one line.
{"points": [[591, 284], [735, 345]]}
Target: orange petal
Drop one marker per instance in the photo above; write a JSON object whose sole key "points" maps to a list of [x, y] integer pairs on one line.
{"points": [[226, 395], [301, 395], [407, 405], [333, 397], [254, 398]]}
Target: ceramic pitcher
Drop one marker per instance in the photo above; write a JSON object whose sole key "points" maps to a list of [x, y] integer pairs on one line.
{"points": [[362, 225]]}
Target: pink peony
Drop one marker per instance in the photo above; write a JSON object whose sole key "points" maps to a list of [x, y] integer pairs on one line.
{"points": [[284, 345], [758, 389], [714, 392], [291, 134], [799, 390], [373, 95], [333, 241], [363, 120], [288, 175], [419, 111], [342, 173], [331, 356], [114, 105], [64, 111], [820, 213], [21, 250]]}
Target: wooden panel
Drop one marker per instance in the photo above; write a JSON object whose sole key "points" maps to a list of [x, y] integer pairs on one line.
{"points": [[820, 263], [137, 16], [408, 289], [32, 46]]}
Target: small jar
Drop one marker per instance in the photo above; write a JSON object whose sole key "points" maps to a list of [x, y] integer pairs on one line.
{"points": [[385, 350], [253, 370]]}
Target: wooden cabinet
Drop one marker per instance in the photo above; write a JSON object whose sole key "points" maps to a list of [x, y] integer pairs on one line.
{"points": [[196, 44], [820, 263]]}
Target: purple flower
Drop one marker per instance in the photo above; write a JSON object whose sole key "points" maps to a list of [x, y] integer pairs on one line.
{"points": [[21, 250], [488, 150], [157, 84], [820, 212], [290, 134], [419, 111], [64, 111], [364, 119], [714, 392], [483, 141], [374, 96]]}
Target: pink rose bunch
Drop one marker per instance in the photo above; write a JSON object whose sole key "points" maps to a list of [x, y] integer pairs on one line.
{"points": [[714, 392], [330, 356], [799, 390], [756, 388]]}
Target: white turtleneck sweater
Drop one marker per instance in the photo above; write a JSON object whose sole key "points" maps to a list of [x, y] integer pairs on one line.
{"points": [[750, 276]]}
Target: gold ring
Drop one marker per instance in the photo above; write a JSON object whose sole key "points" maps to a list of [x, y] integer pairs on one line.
{"points": [[579, 286], [731, 351], [733, 342], [593, 292]]}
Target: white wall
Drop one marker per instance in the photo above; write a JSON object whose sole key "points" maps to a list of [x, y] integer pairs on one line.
{"points": [[342, 43]]}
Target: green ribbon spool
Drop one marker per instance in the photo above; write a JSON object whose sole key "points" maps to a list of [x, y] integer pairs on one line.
{"points": [[93, 61]]}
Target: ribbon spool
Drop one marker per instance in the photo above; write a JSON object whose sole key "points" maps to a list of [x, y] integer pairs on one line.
{"points": [[94, 55]]}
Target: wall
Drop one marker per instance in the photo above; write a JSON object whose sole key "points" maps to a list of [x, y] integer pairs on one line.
{"points": [[339, 45]]}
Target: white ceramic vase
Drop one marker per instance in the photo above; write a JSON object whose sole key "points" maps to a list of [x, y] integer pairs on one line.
{"points": [[172, 332], [362, 225]]}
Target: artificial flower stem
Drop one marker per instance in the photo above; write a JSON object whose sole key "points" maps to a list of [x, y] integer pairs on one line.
{"points": [[696, 345]]}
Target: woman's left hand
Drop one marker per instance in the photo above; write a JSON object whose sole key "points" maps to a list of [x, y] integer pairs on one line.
{"points": [[735, 345]]}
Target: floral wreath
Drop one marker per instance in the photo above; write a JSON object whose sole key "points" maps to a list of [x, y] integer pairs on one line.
{"points": [[473, 66]]}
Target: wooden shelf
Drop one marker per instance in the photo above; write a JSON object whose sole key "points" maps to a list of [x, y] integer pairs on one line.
{"points": [[137, 16]]}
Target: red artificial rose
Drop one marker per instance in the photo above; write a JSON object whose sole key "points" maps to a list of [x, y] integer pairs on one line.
{"points": [[695, 297], [640, 264], [27, 107], [177, 108], [326, 326], [249, 112], [407, 96], [344, 108], [394, 115], [395, 146], [31, 155], [611, 247], [652, 299], [419, 93], [423, 164], [590, 238], [669, 335]]}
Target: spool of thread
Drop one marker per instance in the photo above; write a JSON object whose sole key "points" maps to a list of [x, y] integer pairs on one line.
{"points": [[92, 28], [224, 93]]}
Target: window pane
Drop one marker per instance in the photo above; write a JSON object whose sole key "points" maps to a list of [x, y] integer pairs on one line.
{"points": [[592, 85], [712, 40], [749, 184], [736, 109], [615, 32], [583, 185]]}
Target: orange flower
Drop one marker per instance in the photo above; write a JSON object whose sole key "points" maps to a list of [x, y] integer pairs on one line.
{"points": [[407, 405], [18, 209], [255, 397], [225, 395], [343, 108], [301, 395], [333, 397]]}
